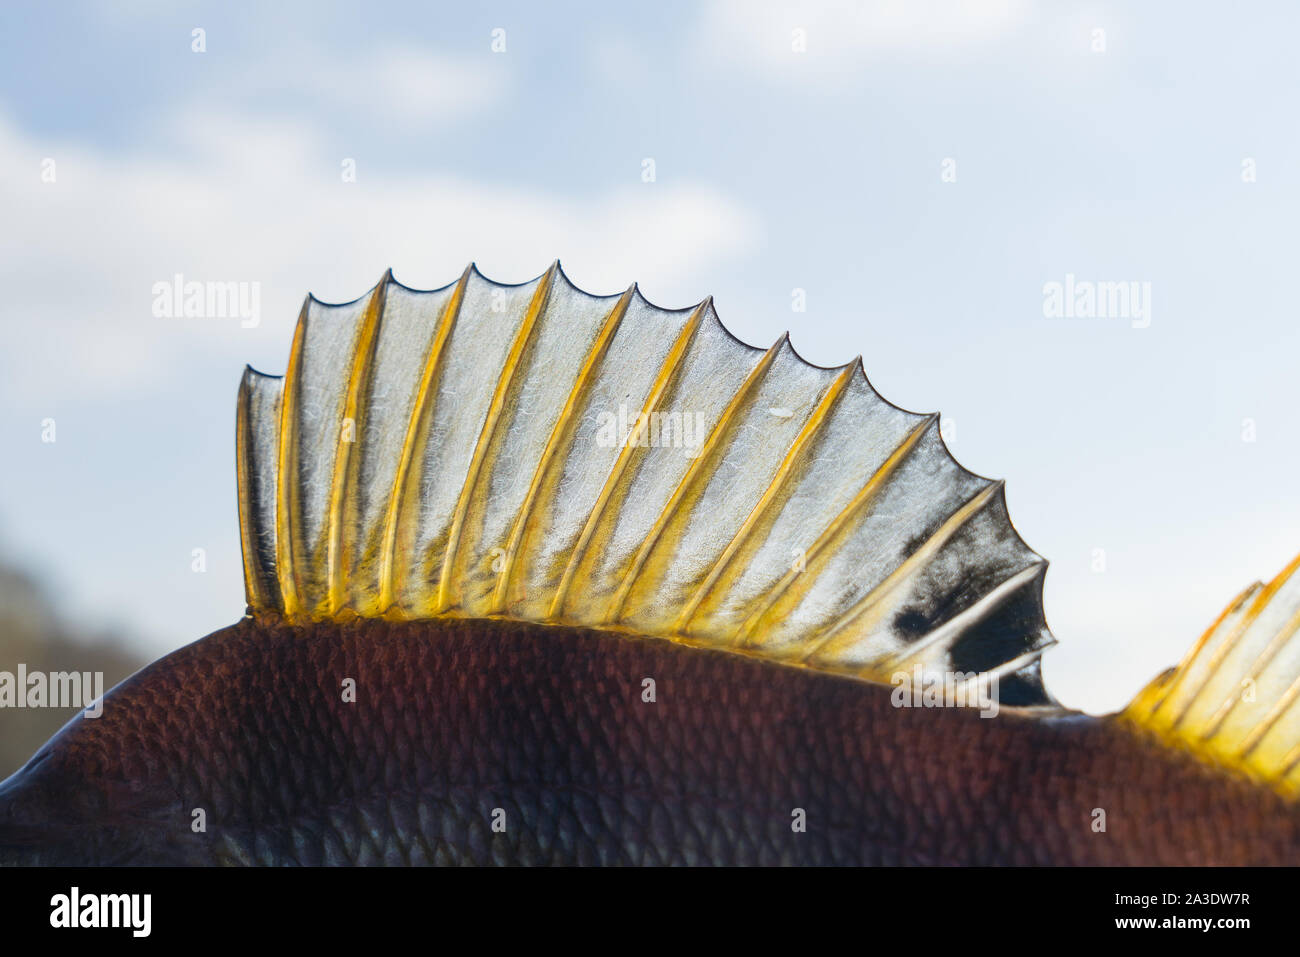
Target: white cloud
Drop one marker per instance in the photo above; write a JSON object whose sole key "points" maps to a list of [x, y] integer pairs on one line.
{"points": [[255, 200], [403, 82], [842, 36]]}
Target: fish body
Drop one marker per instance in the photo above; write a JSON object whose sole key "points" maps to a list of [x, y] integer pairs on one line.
{"points": [[540, 577], [489, 742]]}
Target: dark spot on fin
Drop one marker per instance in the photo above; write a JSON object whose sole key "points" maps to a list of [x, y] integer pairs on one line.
{"points": [[911, 624]]}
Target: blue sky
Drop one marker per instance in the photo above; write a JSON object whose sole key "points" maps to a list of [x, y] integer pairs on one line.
{"points": [[775, 170]]}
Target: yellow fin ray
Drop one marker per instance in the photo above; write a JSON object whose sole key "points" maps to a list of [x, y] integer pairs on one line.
{"points": [[537, 453], [1235, 698]]}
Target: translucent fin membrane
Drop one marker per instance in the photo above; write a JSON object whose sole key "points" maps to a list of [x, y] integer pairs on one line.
{"points": [[1235, 698], [537, 453]]}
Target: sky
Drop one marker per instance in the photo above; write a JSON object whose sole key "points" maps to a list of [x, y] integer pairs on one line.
{"points": [[923, 172]]}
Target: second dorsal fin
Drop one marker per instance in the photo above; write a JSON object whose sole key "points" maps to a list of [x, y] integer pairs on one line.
{"points": [[1235, 697], [537, 453]]}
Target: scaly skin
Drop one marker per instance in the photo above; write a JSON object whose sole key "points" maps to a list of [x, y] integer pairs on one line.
{"points": [[453, 719]]}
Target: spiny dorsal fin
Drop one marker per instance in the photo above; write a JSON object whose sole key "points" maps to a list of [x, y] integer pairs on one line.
{"points": [[1234, 698], [534, 452]]}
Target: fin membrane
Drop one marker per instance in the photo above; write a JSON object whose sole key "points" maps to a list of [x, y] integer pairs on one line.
{"points": [[534, 452], [1235, 698]]}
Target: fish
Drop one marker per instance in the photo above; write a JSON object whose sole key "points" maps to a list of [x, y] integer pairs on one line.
{"points": [[540, 577]]}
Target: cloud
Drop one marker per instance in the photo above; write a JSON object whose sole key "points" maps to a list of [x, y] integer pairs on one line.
{"points": [[402, 82], [145, 403], [255, 200], [843, 36]]}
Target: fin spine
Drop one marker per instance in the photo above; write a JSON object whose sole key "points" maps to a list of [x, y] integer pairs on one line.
{"points": [[830, 399], [743, 397], [505, 384], [937, 539], [666, 376], [343, 481], [1257, 667], [257, 590], [1011, 667], [840, 523], [1260, 603], [559, 436], [416, 434], [989, 602], [1162, 694], [1291, 761], [287, 518], [1256, 735]]}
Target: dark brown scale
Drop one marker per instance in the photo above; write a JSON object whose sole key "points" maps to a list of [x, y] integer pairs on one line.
{"points": [[454, 719]]}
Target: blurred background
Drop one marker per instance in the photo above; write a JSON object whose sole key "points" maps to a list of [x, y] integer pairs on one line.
{"points": [[896, 179]]}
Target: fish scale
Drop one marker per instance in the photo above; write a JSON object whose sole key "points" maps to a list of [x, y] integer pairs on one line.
{"points": [[454, 719], [480, 632]]}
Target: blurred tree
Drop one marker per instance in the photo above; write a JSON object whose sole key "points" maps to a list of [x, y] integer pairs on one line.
{"points": [[32, 634]]}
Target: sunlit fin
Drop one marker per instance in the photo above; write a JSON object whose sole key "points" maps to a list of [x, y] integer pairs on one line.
{"points": [[1234, 698], [538, 453], [257, 458]]}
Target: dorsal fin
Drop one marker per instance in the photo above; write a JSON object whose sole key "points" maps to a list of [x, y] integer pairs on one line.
{"points": [[1235, 698], [537, 453]]}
